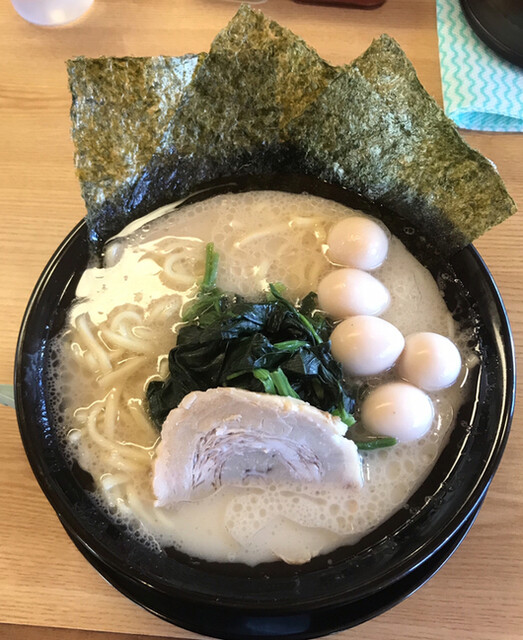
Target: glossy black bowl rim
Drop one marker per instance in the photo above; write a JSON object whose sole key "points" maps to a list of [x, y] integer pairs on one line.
{"points": [[312, 623], [408, 563]]}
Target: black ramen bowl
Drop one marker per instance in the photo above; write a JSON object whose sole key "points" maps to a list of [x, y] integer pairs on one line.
{"points": [[333, 591]]}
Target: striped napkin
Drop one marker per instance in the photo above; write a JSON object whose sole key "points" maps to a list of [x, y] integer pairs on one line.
{"points": [[481, 91]]}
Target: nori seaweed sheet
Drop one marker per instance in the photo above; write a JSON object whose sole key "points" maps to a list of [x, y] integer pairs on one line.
{"points": [[122, 113], [230, 120], [256, 78], [262, 102], [375, 130]]}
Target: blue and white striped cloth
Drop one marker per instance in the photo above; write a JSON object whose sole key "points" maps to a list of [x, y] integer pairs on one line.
{"points": [[481, 91]]}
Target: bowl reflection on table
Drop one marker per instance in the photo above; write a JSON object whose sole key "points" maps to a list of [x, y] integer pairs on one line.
{"points": [[333, 591]]}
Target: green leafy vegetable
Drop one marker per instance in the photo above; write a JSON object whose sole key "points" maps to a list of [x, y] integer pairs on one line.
{"points": [[270, 346], [278, 296], [208, 302]]}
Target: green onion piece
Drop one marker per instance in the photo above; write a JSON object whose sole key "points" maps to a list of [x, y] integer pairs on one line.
{"points": [[209, 295], [290, 345], [265, 378], [211, 267], [344, 416], [279, 287], [310, 327], [275, 382], [282, 384], [375, 443], [237, 374], [203, 303]]}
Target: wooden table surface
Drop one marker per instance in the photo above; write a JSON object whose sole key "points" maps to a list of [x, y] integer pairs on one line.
{"points": [[47, 590]]}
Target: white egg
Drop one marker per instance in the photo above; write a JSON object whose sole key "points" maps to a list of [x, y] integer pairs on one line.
{"points": [[366, 345], [398, 410], [352, 292], [358, 242], [430, 361]]}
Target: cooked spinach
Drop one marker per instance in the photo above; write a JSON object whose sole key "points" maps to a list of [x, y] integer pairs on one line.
{"points": [[270, 346]]}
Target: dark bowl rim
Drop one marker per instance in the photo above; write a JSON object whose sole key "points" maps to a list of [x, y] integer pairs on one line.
{"points": [[321, 622], [408, 563]]}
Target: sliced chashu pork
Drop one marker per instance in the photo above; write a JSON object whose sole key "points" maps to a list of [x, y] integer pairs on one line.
{"points": [[229, 436]]}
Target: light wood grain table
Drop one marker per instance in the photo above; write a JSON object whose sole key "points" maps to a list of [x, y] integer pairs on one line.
{"points": [[47, 590]]}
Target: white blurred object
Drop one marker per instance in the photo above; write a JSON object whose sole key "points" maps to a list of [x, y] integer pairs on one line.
{"points": [[51, 12]]}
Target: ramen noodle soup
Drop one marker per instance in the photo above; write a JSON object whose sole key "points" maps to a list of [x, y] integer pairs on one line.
{"points": [[124, 323]]}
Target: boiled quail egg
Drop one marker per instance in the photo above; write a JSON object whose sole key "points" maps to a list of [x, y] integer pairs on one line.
{"points": [[358, 242], [351, 292], [366, 345], [430, 361], [398, 410]]}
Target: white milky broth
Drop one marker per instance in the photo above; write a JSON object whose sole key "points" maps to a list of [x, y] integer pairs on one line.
{"points": [[124, 323]]}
